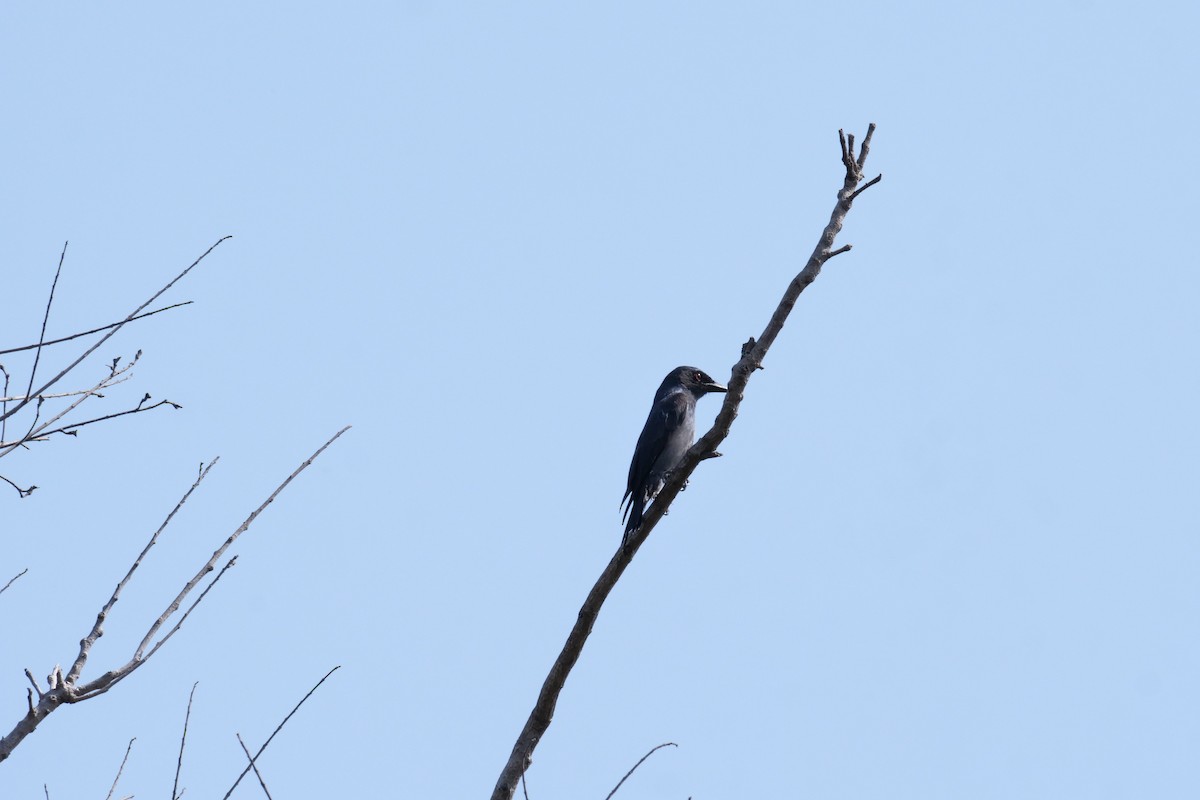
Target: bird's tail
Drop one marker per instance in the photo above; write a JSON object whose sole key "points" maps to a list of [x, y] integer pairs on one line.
{"points": [[635, 520]]}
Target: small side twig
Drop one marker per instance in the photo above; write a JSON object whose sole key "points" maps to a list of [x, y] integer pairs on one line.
{"points": [[257, 774], [121, 769], [14, 577], [72, 429], [278, 728], [866, 185], [182, 742], [653, 750], [23, 493], [93, 330]]}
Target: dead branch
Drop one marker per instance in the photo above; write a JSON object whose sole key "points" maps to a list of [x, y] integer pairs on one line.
{"points": [[278, 728], [66, 689], [751, 360]]}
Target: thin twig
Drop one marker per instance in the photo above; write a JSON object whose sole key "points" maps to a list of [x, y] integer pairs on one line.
{"points": [[71, 429], [182, 742], [22, 492], [279, 728], [61, 395], [12, 579], [46, 318], [257, 774], [121, 769], [115, 328], [751, 360], [183, 617], [653, 750], [94, 330], [4, 405], [114, 372]]}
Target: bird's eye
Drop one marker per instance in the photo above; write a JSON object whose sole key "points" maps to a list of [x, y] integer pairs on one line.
{"points": [[699, 377]]}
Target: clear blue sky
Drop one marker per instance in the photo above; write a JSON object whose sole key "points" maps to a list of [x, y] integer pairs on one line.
{"points": [[952, 549]]}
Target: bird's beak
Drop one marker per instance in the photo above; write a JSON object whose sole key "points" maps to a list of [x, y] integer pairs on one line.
{"points": [[715, 387]]}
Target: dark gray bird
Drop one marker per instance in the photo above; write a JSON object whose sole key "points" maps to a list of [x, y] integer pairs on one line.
{"points": [[668, 434]]}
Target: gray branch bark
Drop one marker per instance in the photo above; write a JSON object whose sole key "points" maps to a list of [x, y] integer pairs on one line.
{"points": [[753, 353]]}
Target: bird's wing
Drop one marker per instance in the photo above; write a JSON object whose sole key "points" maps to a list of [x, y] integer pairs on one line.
{"points": [[665, 417]]}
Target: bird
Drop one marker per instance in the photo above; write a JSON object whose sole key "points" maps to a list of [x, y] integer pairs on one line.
{"points": [[667, 435]]}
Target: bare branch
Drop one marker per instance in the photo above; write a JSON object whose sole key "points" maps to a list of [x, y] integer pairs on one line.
{"points": [[111, 678], [63, 690], [94, 330], [85, 646], [182, 742], [751, 360], [653, 750], [19, 574], [278, 728], [257, 774], [121, 769], [9, 412]]}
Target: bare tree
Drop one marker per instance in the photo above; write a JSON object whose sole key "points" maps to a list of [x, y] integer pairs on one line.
{"points": [[752, 355], [67, 689], [27, 412]]}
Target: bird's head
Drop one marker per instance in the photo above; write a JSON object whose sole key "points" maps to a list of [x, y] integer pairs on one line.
{"points": [[696, 381]]}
